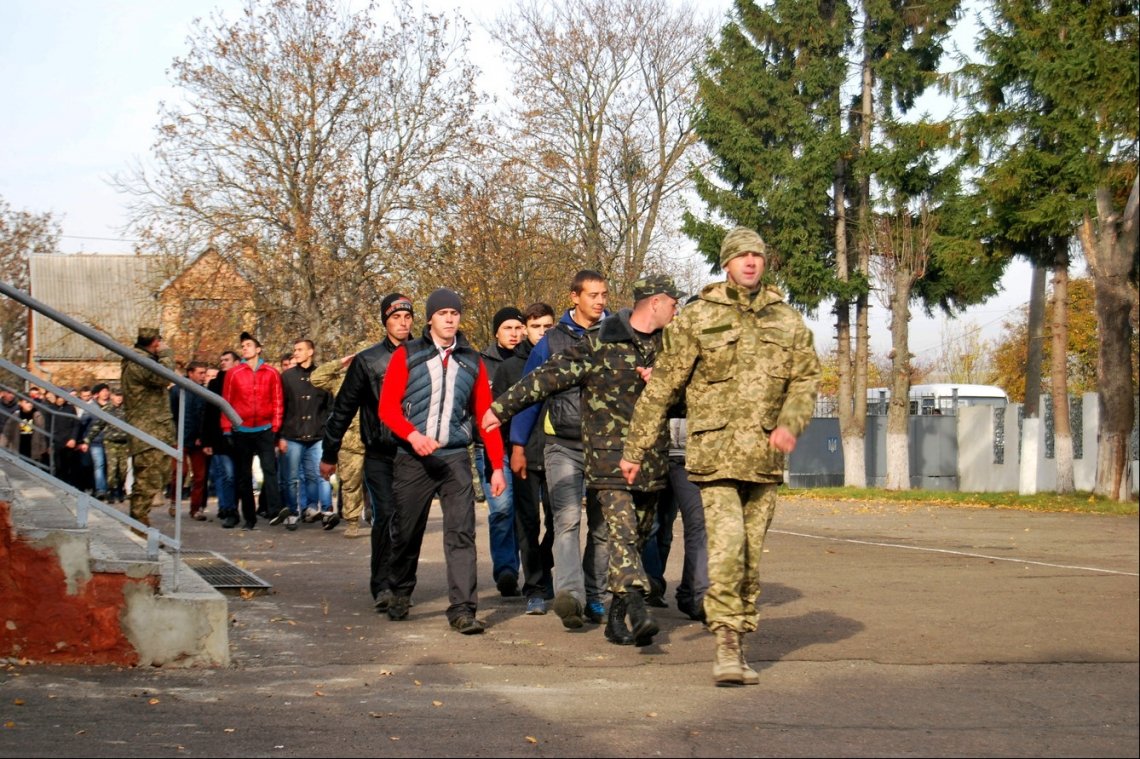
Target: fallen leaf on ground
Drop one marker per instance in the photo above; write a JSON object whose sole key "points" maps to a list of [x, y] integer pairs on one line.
{"points": [[153, 701], [531, 739], [18, 701], [437, 703]]}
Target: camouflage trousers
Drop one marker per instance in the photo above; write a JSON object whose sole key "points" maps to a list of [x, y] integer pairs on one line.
{"points": [[737, 516], [151, 471], [350, 472], [629, 520], [118, 458]]}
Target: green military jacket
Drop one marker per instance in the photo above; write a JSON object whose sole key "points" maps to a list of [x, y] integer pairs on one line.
{"points": [[146, 403], [604, 365], [746, 365], [329, 376]]}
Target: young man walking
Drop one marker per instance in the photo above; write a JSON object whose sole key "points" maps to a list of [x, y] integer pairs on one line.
{"points": [[359, 398], [749, 370], [579, 576], [611, 368], [434, 388], [507, 326]]}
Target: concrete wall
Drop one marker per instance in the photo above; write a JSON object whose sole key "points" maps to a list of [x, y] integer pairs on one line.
{"points": [[976, 451]]}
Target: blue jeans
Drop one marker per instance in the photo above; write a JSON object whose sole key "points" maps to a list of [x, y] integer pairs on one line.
{"points": [[582, 574], [304, 485], [500, 518], [99, 464], [222, 475]]}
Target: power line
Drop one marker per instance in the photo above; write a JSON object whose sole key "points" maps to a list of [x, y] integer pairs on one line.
{"points": [[101, 239]]}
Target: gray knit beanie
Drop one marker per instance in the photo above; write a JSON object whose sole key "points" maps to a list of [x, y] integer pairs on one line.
{"points": [[443, 298]]}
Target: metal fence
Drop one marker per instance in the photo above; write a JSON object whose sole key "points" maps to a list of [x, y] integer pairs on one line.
{"points": [[85, 502]]}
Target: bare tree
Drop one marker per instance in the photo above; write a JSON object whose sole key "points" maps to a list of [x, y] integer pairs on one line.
{"points": [[22, 234], [901, 244], [605, 93], [306, 149]]}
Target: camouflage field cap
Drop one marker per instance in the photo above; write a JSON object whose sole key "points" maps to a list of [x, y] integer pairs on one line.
{"points": [[740, 241], [656, 284], [146, 334]]}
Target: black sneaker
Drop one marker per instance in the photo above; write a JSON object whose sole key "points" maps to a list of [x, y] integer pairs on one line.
{"points": [[656, 595], [467, 625], [230, 521], [248, 525], [384, 600], [280, 516], [508, 584], [330, 520], [398, 608]]}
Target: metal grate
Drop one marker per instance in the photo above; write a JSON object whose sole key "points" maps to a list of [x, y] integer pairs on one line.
{"points": [[220, 572]]}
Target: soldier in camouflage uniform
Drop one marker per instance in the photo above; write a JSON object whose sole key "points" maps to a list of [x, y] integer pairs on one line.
{"points": [[115, 448], [350, 462], [611, 367], [146, 405], [750, 374]]}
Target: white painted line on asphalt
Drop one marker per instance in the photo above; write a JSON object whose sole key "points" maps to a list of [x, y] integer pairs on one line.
{"points": [[958, 553]]}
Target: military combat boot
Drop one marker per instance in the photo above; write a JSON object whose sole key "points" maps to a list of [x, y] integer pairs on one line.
{"points": [[726, 666], [642, 624], [616, 630], [750, 675]]}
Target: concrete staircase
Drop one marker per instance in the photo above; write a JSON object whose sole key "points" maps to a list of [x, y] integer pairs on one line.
{"points": [[91, 595]]}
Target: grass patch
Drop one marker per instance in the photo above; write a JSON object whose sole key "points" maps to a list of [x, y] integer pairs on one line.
{"points": [[1086, 503]]}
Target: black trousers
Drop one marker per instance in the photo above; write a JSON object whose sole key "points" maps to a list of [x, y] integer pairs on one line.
{"points": [[416, 480], [378, 481], [532, 511], [246, 445]]}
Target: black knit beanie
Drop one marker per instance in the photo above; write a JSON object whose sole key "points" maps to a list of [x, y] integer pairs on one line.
{"points": [[505, 315], [442, 298], [393, 304]]}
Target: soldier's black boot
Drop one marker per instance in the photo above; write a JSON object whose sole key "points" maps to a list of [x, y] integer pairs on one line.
{"points": [[616, 630], [642, 624]]}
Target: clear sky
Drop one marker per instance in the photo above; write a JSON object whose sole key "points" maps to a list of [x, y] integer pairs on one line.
{"points": [[82, 81]]}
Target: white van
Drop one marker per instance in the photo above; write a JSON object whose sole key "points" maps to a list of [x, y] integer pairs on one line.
{"points": [[939, 398]]}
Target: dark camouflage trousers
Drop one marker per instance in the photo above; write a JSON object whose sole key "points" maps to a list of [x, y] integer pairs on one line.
{"points": [[630, 515], [118, 458], [737, 516], [151, 472]]}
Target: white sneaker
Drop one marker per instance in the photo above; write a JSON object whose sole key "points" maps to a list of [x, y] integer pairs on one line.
{"points": [[291, 522], [312, 514]]}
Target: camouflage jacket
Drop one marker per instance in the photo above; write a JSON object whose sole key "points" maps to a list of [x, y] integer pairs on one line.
{"points": [[146, 404], [604, 365], [746, 366], [110, 433], [329, 376]]}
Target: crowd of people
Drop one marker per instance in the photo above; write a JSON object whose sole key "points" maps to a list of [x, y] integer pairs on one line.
{"points": [[631, 418]]}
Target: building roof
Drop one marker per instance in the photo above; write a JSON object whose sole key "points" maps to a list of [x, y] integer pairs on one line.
{"points": [[115, 294]]}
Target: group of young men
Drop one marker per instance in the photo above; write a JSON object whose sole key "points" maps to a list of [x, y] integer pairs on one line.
{"points": [[627, 417], [592, 400]]}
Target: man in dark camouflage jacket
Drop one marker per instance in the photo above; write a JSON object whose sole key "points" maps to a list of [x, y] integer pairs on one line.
{"points": [[749, 370], [611, 367]]}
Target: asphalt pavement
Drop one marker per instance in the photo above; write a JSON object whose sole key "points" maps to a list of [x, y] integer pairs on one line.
{"points": [[886, 630]]}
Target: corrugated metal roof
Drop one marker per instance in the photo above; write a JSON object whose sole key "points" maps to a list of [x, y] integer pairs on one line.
{"points": [[115, 294]]}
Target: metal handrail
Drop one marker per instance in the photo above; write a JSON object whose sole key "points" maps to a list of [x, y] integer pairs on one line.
{"points": [[84, 501]]}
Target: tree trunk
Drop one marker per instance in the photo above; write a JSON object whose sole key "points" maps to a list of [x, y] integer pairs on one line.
{"points": [[1059, 371], [1031, 422], [852, 428], [898, 409], [1109, 245]]}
